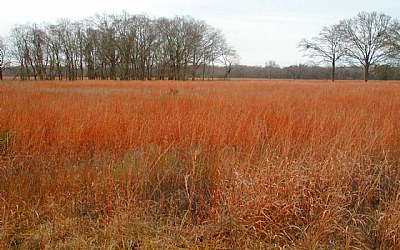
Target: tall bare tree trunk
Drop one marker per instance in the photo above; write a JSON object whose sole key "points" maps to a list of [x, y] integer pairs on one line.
{"points": [[366, 73]]}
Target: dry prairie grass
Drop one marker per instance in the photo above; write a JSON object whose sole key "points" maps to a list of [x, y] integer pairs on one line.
{"points": [[214, 165]]}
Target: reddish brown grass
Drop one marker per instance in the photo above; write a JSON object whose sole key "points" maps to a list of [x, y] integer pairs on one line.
{"points": [[238, 164]]}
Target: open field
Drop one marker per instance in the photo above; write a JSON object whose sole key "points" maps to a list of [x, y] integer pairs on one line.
{"points": [[213, 165]]}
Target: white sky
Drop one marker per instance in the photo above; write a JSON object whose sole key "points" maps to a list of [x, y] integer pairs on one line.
{"points": [[260, 30]]}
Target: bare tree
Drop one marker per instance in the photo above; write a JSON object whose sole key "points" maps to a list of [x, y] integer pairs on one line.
{"points": [[91, 48], [367, 39], [17, 50], [55, 51], [22, 50], [2, 54], [66, 34], [296, 70], [125, 35], [199, 38], [144, 40], [107, 46], [271, 65], [38, 50], [395, 42], [229, 57], [80, 38], [214, 50], [328, 46]]}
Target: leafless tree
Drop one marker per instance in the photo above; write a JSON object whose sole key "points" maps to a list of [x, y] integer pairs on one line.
{"points": [[67, 38], [395, 42], [55, 51], [144, 40], [107, 47], [177, 46], [328, 46], [367, 39], [296, 70], [125, 35], [90, 50], [229, 57], [185, 45], [38, 51], [271, 66], [216, 47], [2, 55], [22, 50]]}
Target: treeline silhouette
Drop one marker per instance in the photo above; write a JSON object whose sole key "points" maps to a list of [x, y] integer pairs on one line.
{"points": [[302, 71], [385, 72]]}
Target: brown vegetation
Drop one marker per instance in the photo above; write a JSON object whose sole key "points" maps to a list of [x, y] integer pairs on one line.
{"points": [[238, 164]]}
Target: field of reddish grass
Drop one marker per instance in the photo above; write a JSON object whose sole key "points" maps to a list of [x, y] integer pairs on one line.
{"points": [[213, 165]]}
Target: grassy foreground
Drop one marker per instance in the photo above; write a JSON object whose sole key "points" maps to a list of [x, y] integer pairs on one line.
{"points": [[213, 165]]}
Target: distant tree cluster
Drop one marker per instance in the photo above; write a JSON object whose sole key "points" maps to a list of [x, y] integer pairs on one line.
{"points": [[305, 71], [123, 46], [369, 39]]}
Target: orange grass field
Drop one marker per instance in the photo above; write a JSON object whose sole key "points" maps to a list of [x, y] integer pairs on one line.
{"points": [[213, 165]]}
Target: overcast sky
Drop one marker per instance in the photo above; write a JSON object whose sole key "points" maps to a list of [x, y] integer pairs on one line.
{"points": [[260, 30]]}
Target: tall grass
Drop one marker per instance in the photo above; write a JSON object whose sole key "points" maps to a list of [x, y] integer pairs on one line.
{"points": [[239, 164]]}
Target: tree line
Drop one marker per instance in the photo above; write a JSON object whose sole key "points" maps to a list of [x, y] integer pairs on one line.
{"points": [[369, 39], [120, 46], [312, 72], [136, 47]]}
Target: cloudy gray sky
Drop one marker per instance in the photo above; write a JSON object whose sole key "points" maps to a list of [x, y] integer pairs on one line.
{"points": [[260, 30]]}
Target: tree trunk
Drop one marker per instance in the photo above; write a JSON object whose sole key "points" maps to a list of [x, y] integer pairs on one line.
{"points": [[333, 70], [366, 73], [22, 68], [213, 70], [204, 71]]}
